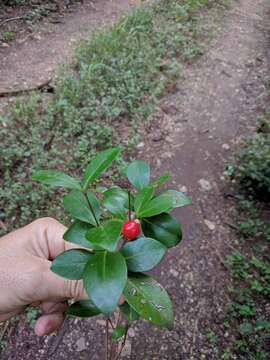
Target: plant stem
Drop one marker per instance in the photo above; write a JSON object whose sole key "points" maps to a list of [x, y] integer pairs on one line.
{"points": [[129, 206], [122, 345], [91, 209], [107, 339]]}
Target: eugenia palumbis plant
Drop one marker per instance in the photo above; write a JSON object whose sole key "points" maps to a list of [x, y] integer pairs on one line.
{"points": [[121, 234]]}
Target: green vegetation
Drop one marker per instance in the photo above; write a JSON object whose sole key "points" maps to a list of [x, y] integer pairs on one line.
{"points": [[252, 169], [8, 36], [248, 317], [116, 80]]}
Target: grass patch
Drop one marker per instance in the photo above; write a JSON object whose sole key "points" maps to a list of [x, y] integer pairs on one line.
{"points": [[252, 166], [117, 78], [248, 316]]}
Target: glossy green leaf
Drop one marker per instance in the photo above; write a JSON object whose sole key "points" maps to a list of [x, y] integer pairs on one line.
{"points": [[162, 180], [106, 236], [143, 254], [129, 312], [83, 308], [99, 164], [150, 300], [116, 202], [143, 198], [57, 179], [104, 278], [71, 263], [156, 206], [119, 332], [138, 173], [164, 227], [76, 233], [77, 205], [178, 198]]}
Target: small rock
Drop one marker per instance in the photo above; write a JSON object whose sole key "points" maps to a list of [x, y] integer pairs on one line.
{"points": [[174, 273], [81, 344], [205, 185], [183, 189], [210, 224], [5, 45], [140, 145], [226, 147], [131, 332]]}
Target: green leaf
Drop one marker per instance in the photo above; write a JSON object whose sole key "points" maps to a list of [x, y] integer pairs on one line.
{"points": [[178, 198], [104, 278], [156, 206], [77, 205], [143, 254], [56, 178], [99, 164], [83, 308], [138, 173], [246, 328], [106, 236], [162, 180], [76, 233], [71, 263], [143, 198], [119, 332], [130, 313], [164, 227], [150, 300], [116, 201]]}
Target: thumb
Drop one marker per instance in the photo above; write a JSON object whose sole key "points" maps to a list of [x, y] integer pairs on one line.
{"points": [[55, 287]]}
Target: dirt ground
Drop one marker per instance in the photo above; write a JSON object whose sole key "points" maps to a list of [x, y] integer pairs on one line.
{"points": [[201, 123]]}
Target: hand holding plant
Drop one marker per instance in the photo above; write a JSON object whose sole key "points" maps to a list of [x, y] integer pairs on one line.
{"points": [[122, 234]]}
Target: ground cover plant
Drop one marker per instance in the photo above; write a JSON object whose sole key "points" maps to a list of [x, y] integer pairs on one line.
{"points": [[248, 316], [123, 233], [116, 80]]}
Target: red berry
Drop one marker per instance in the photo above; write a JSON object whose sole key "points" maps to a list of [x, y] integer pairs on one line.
{"points": [[131, 229]]}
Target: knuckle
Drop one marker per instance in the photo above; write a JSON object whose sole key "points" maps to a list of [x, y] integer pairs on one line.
{"points": [[74, 289]]}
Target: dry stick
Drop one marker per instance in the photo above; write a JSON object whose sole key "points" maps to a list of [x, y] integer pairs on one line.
{"points": [[12, 19], [45, 86], [122, 345], [59, 338]]}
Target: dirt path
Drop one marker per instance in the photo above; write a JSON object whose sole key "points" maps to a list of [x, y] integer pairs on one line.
{"points": [[26, 64], [217, 101]]}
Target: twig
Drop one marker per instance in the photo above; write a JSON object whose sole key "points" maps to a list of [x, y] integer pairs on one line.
{"points": [[107, 339], [122, 345], [3, 226], [4, 330], [12, 19], [44, 87], [58, 339]]}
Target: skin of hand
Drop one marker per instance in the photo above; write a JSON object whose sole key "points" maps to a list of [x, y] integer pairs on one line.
{"points": [[26, 278]]}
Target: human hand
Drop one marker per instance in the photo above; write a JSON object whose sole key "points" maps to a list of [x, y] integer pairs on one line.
{"points": [[26, 278]]}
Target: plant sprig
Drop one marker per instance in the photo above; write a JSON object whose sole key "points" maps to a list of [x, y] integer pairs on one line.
{"points": [[124, 233]]}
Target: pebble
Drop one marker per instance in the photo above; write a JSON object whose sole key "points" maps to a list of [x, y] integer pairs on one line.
{"points": [[131, 332], [226, 147], [205, 185], [210, 224], [174, 273], [81, 344]]}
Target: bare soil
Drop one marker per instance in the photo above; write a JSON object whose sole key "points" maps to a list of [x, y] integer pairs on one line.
{"points": [[194, 132]]}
